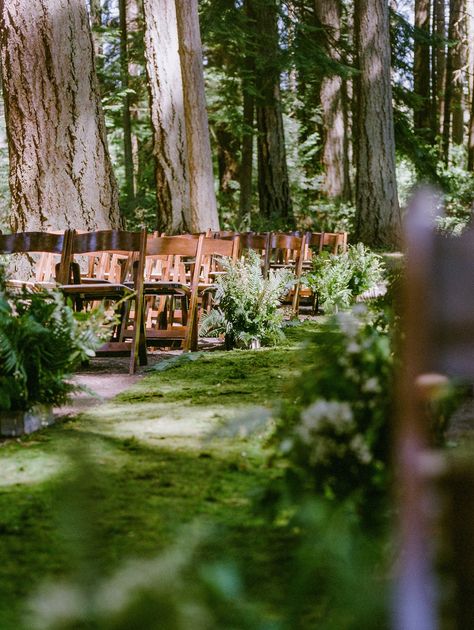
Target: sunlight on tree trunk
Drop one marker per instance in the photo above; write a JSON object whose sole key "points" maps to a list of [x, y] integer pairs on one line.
{"points": [[378, 221], [201, 180], [167, 116], [60, 170]]}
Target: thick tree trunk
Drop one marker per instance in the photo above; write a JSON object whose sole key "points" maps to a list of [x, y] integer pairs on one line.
{"points": [[60, 171], [421, 69], [378, 221], [201, 180], [334, 155], [273, 183], [167, 116]]}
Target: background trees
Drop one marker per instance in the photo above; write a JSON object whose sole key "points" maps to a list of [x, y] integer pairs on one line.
{"points": [[302, 131]]}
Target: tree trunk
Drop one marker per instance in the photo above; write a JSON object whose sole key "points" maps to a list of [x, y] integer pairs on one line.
{"points": [[439, 61], [126, 114], [273, 183], [246, 165], [201, 180], [453, 127], [60, 170], [470, 148], [334, 155], [421, 69], [167, 116], [96, 23], [378, 221]]}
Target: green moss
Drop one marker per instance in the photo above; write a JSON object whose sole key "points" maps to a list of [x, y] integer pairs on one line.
{"points": [[122, 480]]}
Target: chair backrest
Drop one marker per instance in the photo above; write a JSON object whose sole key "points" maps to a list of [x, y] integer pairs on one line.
{"points": [[118, 244], [438, 341], [286, 249], [259, 243], [40, 243], [175, 248], [335, 242]]}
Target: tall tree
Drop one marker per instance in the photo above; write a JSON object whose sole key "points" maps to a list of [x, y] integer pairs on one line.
{"points": [[167, 116], [421, 68], [333, 98], [378, 221], [203, 204], [438, 61], [273, 182], [453, 123], [60, 170]]}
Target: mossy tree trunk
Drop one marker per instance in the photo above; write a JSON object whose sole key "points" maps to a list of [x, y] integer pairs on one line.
{"points": [[60, 170]]}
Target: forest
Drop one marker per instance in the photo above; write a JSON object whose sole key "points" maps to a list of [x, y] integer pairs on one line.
{"points": [[238, 391], [312, 115]]}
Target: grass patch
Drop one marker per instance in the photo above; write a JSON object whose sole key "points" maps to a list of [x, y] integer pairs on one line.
{"points": [[122, 480]]}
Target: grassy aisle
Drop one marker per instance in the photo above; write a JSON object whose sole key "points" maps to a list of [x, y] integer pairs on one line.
{"points": [[122, 480]]}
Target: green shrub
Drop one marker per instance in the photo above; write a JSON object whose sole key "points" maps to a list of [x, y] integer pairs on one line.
{"points": [[247, 303], [339, 279], [42, 341], [334, 437]]}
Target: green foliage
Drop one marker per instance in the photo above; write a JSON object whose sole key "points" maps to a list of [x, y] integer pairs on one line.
{"points": [[247, 303], [42, 341], [339, 279], [334, 436]]}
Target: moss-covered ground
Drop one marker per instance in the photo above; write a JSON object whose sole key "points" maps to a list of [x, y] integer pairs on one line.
{"points": [[123, 479]]}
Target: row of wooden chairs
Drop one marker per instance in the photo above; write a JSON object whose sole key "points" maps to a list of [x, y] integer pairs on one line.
{"points": [[157, 280]]}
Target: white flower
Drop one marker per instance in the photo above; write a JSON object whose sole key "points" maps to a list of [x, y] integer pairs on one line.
{"points": [[371, 385], [360, 448], [323, 415]]}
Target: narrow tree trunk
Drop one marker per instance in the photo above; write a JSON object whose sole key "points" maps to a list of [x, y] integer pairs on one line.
{"points": [[227, 163], [378, 221], [421, 69], [96, 22], [201, 180], [470, 150], [273, 183], [60, 170], [453, 125], [439, 61], [335, 158], [246, 165], [167, 116], [126, 115]]}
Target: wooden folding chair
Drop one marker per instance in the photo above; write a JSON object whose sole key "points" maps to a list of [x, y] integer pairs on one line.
{"points": [[259, 243], [180, 261], [287, 252], [433, 493], [128, 245], [46, 254]]}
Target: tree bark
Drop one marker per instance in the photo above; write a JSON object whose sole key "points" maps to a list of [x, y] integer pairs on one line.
{"points": [[470, 146], [334, 154], [439, 61], [453, 124], [126, 102], [203, 204], [167, 117], [60, 170], [246, 165], [421, 69], [378, 221], [273, 183]]}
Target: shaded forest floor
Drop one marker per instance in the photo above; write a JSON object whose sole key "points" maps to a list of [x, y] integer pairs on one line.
{"points": [[123, 478]]}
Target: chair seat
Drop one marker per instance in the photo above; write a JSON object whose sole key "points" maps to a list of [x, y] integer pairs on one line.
{"points": [[91, 291]]}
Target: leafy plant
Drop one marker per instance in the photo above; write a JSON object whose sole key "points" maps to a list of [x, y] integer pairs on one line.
{"points": [[42, 341], [247, 303], [334, 436], [339, 279]]}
